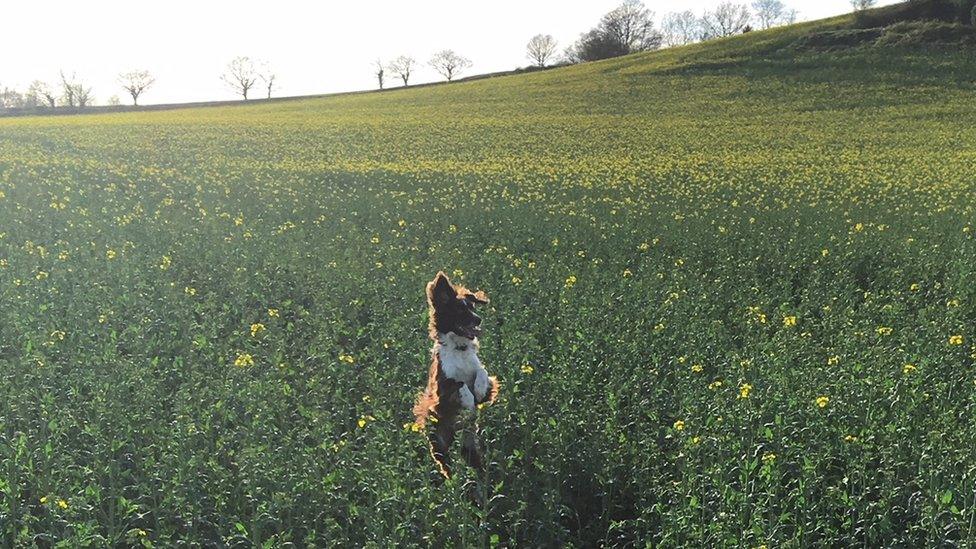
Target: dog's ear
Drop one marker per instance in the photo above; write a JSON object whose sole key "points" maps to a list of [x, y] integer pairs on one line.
{"points": [[478, 297], [440, 291]]}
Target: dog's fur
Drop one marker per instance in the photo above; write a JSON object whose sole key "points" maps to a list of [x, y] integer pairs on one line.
{"points": [[457, 382]]}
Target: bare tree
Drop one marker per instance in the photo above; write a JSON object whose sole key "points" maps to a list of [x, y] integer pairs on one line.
{"points": [[11, 98], [268, 77], [681, 28], [380, 72], [632, 26], [68, 89], [402, 67], [768, 12], [861, 5], [771, 13], [449, 64], [84, 96], [31, 99], [241, 75], [627, 29], [725, 20], [42, 94], [74, 93], [541, 48], [136, 82], [114, 101]]}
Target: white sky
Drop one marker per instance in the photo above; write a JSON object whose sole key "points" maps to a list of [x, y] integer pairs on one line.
{"points": [[315, 46]]}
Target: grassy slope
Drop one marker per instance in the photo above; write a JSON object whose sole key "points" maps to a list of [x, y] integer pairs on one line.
{"points": [[629, 218]]}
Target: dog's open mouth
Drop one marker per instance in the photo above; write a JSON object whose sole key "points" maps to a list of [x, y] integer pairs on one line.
{"points": [[469, 332]]}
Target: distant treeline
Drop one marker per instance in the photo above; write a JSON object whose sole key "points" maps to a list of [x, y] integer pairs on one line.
{"points": [[627, 29]]}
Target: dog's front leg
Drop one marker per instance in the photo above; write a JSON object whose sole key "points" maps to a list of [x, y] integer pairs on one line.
{"points": [[481, 385], [467, 399]]}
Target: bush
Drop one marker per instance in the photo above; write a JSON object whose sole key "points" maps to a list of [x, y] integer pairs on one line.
{"points": [[927, 32], [846, 38], [966, 10], [913, 10]]}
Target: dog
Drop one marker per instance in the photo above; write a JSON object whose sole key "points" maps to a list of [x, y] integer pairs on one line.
{"points": [[457, 383]]}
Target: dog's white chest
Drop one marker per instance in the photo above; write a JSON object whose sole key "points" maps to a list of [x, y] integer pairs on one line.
{"points": [[460, 361]]}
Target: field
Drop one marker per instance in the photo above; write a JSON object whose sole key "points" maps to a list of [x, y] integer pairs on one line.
{"points": [[733, 304]]}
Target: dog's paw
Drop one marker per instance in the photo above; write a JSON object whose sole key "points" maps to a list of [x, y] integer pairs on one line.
{"points": [[467, 399], [481, 385]]}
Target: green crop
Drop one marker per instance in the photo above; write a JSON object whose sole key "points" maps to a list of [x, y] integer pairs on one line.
{"points": [[733, 300]]}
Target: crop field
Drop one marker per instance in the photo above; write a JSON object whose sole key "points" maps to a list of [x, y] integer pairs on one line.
{"points": [[733, 304]]}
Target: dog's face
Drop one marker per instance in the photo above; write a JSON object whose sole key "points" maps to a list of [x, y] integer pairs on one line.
{"points": [[452, 308]]}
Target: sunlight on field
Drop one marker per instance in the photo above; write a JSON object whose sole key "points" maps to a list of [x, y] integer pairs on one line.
{"points": [[731, 302]]}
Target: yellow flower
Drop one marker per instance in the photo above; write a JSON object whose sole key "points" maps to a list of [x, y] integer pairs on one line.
{"points": [[825, 252], [908, 368], [256, 329], [43, 499], [62, 504], [571, 281], [914, 287], [190, 291], [244, 359], [166, 262], [823, 401], [375, 240], [273, 313], [41, 275], [715, 384], [885, 330], [527, 369], [627, 273], [789, 321], [697, 368], [744, 390], [349, 359], [955, 340], [679, 425], [850, 438], [364, 420], [768, 457], [516, 281], [833, 361], [110, 254], [412, 427]]}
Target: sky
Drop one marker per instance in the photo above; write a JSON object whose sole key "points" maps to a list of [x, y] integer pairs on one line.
{"points": [[313, 46]]}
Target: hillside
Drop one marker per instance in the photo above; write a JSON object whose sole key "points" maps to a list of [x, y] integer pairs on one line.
{"points": [[732, 304]]}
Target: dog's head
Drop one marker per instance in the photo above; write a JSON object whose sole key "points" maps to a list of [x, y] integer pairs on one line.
{"points": [[452, 308]]}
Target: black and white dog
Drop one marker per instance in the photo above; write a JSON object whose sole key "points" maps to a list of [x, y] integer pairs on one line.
{"points": [[457, 381]]}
